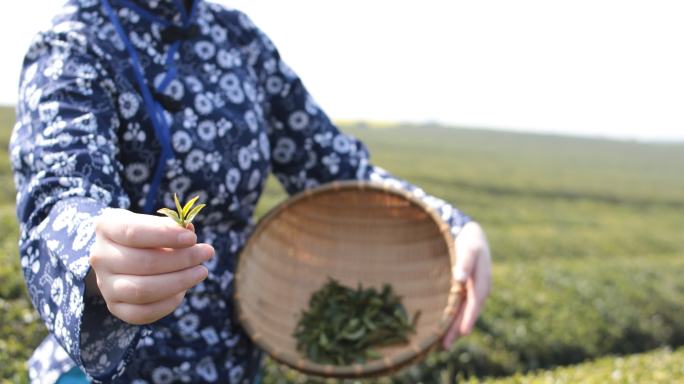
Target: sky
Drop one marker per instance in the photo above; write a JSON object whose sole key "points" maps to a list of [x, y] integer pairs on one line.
{"points": [[610, 68]]}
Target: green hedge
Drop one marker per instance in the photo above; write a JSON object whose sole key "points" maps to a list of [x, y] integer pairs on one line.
{"points": [[20, 327], [662, 366]]}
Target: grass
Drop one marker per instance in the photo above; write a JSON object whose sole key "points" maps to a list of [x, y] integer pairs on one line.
{"points": [[586, 235]]}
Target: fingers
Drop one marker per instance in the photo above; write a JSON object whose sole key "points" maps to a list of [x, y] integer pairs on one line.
{"points": [[144, 264], [143, 231], [473, 266], [148, 313], [133, 289], [478, 289], [120, 259], [467, 248], [453, 332]]}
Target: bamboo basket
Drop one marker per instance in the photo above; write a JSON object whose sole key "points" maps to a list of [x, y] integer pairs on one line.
{"points": [[353, 231]]}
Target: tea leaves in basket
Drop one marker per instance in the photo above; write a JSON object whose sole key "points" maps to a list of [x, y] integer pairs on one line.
{"points": [[342, 325]]}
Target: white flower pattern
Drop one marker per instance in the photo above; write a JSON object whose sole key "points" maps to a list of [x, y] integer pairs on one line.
{"points": [[128, 105]]}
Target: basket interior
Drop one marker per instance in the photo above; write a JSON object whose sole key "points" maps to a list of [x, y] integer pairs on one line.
{"points": [[364, 236]]}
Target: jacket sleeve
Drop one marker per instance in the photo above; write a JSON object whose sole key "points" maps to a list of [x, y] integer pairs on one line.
{"points": [[64, 161], [307, 149]]}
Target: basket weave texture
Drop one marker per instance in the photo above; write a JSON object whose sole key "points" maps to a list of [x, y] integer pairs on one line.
{"points": [[355, 232]]}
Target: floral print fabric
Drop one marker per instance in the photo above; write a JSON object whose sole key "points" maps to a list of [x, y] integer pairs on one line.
{"points": [[86, 138]]}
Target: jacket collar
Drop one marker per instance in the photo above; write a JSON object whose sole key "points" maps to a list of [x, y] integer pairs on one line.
{"points": [[164, 12]]}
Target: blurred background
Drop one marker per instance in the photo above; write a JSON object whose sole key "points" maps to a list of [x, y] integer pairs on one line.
{"points": [[557, 125]]}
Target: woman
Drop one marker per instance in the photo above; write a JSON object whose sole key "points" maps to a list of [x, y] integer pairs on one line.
{"points": [[122, 104]]}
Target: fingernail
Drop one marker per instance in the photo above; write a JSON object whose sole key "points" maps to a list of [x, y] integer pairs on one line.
{"points": [[207, 252], [202, 272], [187, 237]]}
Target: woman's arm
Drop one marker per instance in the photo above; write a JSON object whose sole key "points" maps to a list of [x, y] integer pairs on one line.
{"points": [[307, 149], [63, 151]]}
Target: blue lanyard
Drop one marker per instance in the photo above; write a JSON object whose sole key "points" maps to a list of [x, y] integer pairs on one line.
{"points": [[154, 109]]}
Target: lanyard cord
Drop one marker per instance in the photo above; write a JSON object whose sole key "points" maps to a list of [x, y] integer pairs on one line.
{"points": [[155, 111]]}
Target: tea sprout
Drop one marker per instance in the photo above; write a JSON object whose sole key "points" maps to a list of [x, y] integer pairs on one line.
{"points": [[183, 216]]}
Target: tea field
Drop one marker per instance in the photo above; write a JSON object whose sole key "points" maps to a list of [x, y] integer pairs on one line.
{"points": [[587, 236], [662, 366]]}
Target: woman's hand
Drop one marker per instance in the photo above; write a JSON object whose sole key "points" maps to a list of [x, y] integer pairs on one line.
{"points": [[144, 264], [474, 268]]}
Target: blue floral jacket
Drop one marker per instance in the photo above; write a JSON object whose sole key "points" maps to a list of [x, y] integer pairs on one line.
{"points": [[123, 103]]}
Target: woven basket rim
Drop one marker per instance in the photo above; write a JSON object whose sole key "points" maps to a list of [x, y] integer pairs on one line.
{"points": [[417, 348]]}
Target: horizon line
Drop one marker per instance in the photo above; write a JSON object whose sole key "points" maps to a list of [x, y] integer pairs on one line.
{"points": [[388, 124]]}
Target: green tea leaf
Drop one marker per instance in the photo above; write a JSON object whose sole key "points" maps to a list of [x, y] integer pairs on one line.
{"points": [[178, 207], [193, 213], [188, 206], [170, 213]]}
